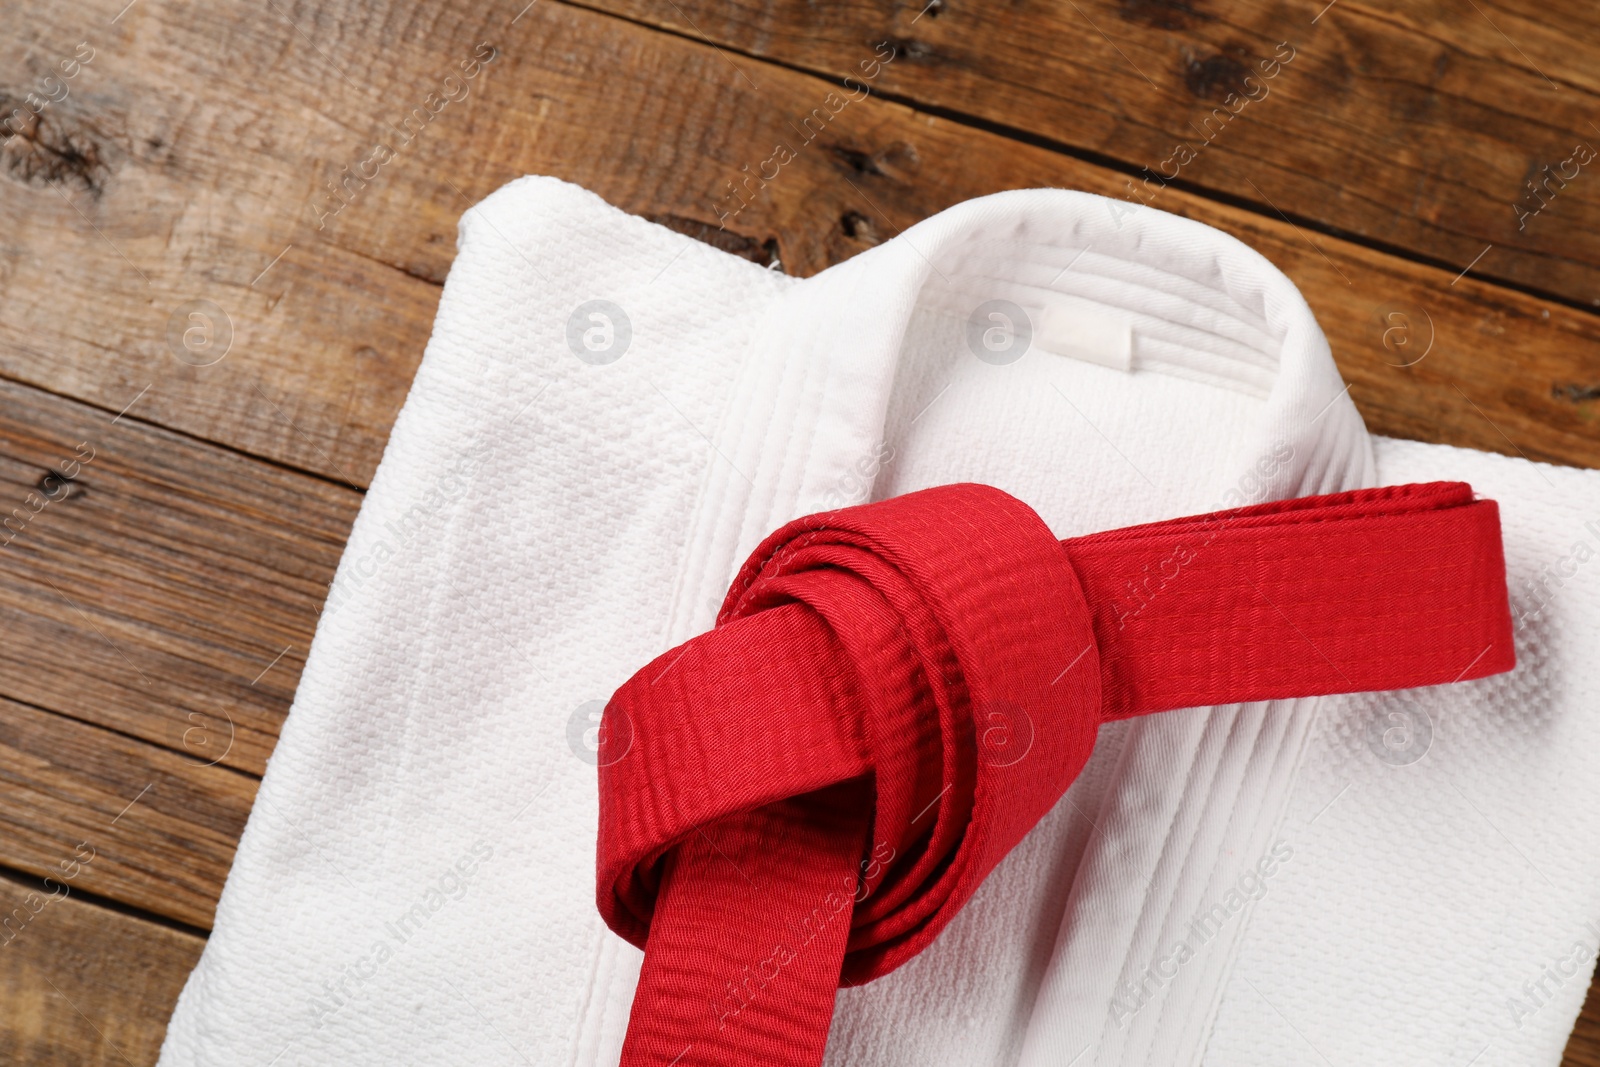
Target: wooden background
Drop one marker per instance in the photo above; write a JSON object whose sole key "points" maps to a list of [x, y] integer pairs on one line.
{"points": [[174, 525]]}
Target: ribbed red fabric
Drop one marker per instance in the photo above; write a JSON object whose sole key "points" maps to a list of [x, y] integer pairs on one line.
{"points": [[895, 693]]}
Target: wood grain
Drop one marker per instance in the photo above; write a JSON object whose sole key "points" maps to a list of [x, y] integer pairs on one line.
{"points": [[207, 179], [83, 985], [1583, 1048], [167, 589], [1415, 126], [97, 812], [160, 598]]}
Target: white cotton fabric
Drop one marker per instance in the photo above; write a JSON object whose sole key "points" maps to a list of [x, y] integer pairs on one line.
{"points": [[565, 496]]}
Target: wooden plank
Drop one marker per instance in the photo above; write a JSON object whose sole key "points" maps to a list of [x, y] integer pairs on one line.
{"points": [[1583, 1049], [101, 813], [82, 984], [169, 574], [166, 178], [200, 180], [326, 337], [1415, 125], [166, 588]]}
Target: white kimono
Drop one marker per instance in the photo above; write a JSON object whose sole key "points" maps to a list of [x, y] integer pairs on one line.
{"points": [[611, 415]]}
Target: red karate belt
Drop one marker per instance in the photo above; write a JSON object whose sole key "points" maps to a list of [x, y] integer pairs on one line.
{"points": [[895, 693]]}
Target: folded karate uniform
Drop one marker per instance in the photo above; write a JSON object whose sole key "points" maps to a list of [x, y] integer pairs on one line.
{"points": [[611, 416]]}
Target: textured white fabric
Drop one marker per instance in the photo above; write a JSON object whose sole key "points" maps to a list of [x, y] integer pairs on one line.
{"points": [[571, 485], [1442, 898]]}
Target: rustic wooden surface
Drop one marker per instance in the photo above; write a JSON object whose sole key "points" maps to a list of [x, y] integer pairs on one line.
{"points": [[86, 985], [160, 600]]}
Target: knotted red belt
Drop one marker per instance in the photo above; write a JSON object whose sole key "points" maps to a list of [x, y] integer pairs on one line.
{"points": [[895, 693]]}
